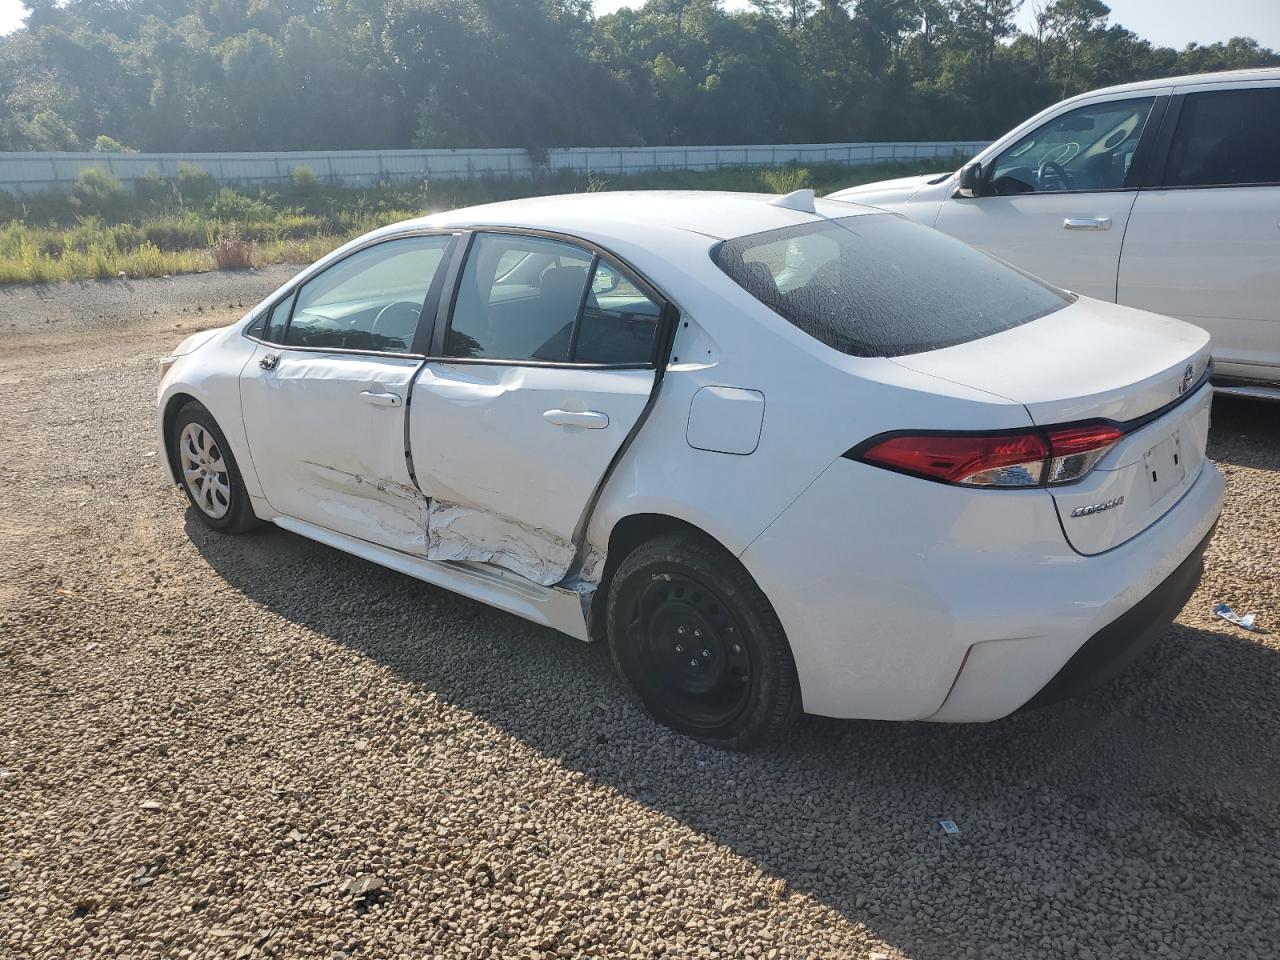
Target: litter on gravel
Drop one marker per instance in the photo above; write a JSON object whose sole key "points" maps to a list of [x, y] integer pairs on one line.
{"points": [[1247, 621]]}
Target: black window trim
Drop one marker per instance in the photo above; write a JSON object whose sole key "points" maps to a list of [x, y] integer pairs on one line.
{"points": [[668, 313], [1169, 129], [299, 282], [1139, 170]]}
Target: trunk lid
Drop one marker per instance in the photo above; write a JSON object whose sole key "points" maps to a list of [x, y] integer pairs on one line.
{"points": [[1100, 361]]}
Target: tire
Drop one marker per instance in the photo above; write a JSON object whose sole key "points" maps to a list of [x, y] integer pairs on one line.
{"points": [[698, 644], [208, 472]]}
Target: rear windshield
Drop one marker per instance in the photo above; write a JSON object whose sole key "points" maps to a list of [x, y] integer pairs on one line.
{"points": [[877, 285]]}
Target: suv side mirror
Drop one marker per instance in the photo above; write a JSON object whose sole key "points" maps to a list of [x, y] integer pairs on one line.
{"points": [[971, 180]]}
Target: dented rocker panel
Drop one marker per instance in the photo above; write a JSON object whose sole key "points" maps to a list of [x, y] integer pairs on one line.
{"points": [[457, 532]]}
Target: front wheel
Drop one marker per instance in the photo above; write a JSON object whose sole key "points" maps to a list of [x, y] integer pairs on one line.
{"points": [[208, 472], [699, 645]]}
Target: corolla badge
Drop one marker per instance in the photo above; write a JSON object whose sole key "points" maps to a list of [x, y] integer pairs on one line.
{"points": [[1188, 375], [1097, 507]]}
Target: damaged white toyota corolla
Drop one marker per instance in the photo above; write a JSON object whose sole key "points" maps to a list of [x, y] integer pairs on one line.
{"points": [[783, 454]]}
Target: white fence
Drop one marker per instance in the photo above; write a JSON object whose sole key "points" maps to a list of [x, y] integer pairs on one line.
{"points": [[27, 172]]}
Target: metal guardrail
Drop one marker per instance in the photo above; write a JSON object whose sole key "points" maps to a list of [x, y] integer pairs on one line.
{"points": [[29, 172]]}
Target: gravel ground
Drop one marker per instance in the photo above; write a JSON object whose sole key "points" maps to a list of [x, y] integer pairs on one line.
{"points": [[257, 746]]}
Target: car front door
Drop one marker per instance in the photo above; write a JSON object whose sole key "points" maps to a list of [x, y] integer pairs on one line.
{"points": [[541, 369], [1056, 201], [1204, 243], [325, 395]]}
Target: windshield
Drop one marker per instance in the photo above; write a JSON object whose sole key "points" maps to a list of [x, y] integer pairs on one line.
{"points": [[877, 285]]}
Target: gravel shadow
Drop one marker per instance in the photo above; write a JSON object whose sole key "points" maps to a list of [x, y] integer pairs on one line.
{"points": [[1149, 805], [1246, 433]]}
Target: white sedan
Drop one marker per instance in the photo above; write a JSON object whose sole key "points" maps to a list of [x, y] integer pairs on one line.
{"points": [[782, 454]]}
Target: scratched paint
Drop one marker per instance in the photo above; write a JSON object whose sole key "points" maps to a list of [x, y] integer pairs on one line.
{"points": [[397, 512], [457, 532]]}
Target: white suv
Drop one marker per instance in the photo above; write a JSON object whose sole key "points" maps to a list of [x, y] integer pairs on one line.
{"points": [[1163, 195]]}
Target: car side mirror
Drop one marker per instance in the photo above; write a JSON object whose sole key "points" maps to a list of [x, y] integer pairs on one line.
{"points": [[971, 180], [605, 282]]}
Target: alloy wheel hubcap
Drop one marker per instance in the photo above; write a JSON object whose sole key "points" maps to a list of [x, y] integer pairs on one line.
{"points": [[204, 471]]}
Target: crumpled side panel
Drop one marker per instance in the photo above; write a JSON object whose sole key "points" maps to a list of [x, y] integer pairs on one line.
{"points": [[394, 513], [456, 532]]}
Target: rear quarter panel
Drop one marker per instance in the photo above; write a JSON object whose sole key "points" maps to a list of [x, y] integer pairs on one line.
{"points": [[818, 403]]}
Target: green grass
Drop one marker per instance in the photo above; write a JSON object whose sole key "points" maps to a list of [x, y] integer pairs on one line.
{"points": [[101, 230]]}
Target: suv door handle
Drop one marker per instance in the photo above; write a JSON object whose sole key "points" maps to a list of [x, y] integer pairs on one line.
{"points": [[381, 399], [591, 419], [1086, 223]]}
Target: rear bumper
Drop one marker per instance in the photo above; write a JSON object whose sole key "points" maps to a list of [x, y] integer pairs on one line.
{"points": [[1123, 640], [908, 600]]}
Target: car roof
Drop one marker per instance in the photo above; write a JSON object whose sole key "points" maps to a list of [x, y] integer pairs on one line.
{"points": [[629, 215], [1222, 76]]}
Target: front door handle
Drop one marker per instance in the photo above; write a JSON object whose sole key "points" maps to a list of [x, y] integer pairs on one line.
{"points": [[591, 419], [382, 399], [1086, 223]]}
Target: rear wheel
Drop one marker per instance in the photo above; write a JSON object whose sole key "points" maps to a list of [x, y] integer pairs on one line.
{"points": [[208, 472], [699, 644]]}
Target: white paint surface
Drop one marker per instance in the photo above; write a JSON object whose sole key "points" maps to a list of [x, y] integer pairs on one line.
{"points": [[726, 420]]}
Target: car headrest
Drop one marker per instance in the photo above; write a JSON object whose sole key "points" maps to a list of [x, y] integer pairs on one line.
{"points": [[564, 283]]}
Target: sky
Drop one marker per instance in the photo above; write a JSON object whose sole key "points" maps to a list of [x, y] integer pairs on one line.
{"points": [[1170, 23]]}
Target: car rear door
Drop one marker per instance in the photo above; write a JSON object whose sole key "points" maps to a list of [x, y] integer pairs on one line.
{"points": [[1056, 201], [543, 365], [325, 396], [1204, 241]]}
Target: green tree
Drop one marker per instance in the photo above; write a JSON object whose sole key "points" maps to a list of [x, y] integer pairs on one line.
{"points": [[299, 74]]}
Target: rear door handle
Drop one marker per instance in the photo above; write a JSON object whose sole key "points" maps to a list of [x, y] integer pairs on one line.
{"points": [[1086, 223], [382, 399], [591, 419]]}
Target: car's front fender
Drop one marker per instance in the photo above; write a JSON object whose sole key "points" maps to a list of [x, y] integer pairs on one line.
{"points": [[211, 376]]}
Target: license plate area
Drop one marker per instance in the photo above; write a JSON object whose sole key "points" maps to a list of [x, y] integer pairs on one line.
{"points": [[1166, 467]]}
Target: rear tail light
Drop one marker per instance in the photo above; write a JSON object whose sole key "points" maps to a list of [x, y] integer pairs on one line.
{"points": [[1029, 458], [1076, 450]]}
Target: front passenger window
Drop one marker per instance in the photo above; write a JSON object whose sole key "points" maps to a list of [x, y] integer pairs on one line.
{"points": [[371, 300], [1089, 148]]}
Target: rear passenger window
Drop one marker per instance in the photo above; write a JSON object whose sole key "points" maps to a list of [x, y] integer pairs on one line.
{"points": [[519, 299], [530, 298], [1226, 138], [619, 322]]}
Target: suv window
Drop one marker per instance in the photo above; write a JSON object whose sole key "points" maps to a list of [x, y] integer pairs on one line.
{"points": [[531, 298], [880, 286], [1226, 137], [1089, 148], [370, 300]]}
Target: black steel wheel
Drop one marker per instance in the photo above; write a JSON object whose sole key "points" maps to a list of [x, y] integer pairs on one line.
{"points": [[699, 645]]}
